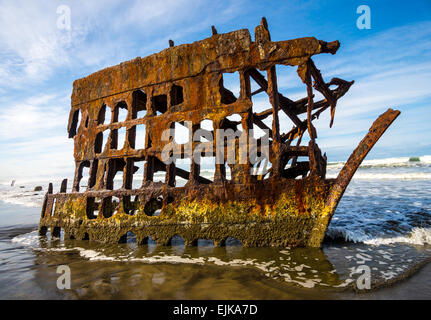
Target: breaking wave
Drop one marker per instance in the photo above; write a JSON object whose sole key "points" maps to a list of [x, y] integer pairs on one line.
{"points": [[417, 236], [389, 162], [386, 176]]}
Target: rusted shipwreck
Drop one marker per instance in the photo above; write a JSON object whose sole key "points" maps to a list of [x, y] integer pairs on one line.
{"points": [[290, 204]]}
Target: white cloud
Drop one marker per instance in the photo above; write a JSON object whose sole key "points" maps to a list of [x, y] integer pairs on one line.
{"points": [[33, 137], [32, 117], [102, 33], [31, 45]]}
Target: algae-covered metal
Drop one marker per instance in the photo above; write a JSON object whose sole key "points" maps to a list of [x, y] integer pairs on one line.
{"points": [[291, 203]]}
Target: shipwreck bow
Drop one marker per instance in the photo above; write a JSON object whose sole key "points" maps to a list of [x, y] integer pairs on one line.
{"points": [[346, 174]]}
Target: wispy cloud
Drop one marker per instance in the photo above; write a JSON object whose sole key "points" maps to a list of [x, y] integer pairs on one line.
{"points": [[33, 137], [38, 63], [31, 46], [32, 117], [102, 33]]}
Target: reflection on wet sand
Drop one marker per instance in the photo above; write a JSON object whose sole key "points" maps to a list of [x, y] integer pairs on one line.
{"points": [[131, 271]]}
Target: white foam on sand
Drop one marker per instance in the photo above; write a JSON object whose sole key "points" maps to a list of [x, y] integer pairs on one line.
{"points": [[30, 239]]}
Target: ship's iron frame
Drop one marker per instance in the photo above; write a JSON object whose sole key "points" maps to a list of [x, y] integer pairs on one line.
{"points": [[290, 205]]}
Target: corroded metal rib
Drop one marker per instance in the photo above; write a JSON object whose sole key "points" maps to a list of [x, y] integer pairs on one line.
{"points": [[342, 181]]}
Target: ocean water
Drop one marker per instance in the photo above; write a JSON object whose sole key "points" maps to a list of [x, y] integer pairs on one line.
{"points": [[383, 224]]}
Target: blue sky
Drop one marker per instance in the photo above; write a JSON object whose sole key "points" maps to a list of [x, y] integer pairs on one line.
{"points": [[390, 64]]}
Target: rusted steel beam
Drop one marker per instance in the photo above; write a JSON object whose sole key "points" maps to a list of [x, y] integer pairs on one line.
{"points": [[257, 91], [300, 151], [343, 87], [263, 115], [300, 169], [186, 175], [305, 73], [323, 88], [300, 106], [321, 106], [317, 161], [284, 103]]}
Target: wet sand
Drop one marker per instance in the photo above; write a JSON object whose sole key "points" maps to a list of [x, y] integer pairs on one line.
{"points": [[28, 266], [415, 287]]}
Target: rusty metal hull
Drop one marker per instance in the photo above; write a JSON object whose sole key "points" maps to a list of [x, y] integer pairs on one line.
{"points": [[292, 203], [271, 213]]}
